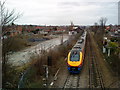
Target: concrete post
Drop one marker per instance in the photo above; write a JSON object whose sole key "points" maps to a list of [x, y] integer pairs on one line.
{"points": [[104, 49], [108, 52]]}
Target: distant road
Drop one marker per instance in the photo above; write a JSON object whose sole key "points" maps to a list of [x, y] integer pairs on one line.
{"points": [[22, 57]]}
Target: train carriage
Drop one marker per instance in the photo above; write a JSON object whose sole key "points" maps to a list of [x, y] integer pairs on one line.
{"points": [[76, 55]]}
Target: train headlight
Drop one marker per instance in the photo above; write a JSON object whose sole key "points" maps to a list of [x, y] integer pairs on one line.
{"points": [[80, 66], [68, 65]]}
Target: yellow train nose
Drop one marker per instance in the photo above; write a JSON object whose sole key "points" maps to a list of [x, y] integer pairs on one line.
{"points": [[75, 63]]}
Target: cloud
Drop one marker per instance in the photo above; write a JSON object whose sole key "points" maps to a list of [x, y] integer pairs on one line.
{"points": [[62, 12]]}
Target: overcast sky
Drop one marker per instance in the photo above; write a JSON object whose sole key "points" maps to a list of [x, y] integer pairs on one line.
{"points": [[61, 12]]}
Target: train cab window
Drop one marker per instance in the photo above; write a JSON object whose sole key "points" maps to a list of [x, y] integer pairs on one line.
{"points": [[74, 56], [81, 41]]}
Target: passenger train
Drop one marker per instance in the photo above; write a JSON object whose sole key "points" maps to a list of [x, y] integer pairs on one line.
{"points": [[76, 55]]}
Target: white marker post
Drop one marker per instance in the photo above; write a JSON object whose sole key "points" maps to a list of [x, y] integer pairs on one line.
{"points": [[108, 52], [104, 49]]}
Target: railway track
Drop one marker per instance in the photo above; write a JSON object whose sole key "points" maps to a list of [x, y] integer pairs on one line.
{"points": [[95, 76], [72, 81]]}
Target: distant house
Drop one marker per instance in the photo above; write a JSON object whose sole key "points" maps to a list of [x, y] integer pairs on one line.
{"points": [[13, 30], [72, 32], [75, 30], [39, 27], [60, 30], [119, 30], [44, 31], [14, 33], [114, 31]]}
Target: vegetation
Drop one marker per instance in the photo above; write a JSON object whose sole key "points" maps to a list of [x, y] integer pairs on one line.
{"points": [[114, 45], [8, 71], [114, 59]]}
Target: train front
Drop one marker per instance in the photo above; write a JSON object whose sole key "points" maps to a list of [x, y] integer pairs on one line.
{"points": [[74, 61]]}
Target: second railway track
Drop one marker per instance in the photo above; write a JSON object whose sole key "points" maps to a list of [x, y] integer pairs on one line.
{"points": [[95, 76]]}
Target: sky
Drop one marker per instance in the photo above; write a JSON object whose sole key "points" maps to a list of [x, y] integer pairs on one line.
{"points": [[62, 12]]}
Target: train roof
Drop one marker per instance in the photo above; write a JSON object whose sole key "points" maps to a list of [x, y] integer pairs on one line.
{"points": [[78, 50], [80, 43]]}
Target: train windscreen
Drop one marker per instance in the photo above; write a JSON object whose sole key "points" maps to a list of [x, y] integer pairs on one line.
{"points": [[74, 56]]}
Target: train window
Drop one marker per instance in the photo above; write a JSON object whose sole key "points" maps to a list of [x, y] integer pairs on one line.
{"points": [[77, 47], [81, 41], [74, 56]]}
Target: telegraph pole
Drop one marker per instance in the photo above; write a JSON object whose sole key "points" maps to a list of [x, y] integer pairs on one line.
{"points": [[1, 17], [119, 13]]}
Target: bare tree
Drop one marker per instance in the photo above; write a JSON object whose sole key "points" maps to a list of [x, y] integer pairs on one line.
{"points": [[103, 21], [7, 18], [101, 30], [95, 27]]}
